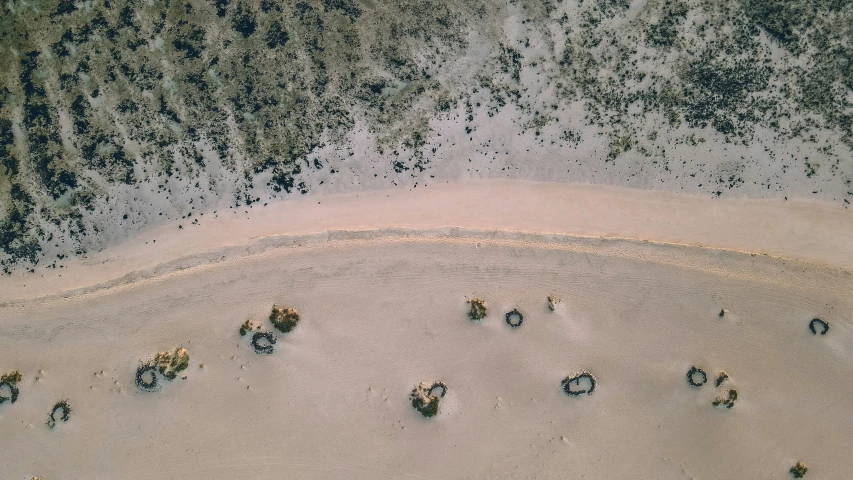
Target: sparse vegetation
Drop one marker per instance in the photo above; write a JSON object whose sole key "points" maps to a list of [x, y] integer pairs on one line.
{"points": [[284, 319], [478, 309], [167, 363], [263, 342], [247, 327], [61, 406], [12, 377], [552, 302], [171, 363], [728, 400], [722, 377], [234, 98], [514, 318], [799, 470], [574, 380], [10, 382], [424, 398], [818, 324], [141, 371], [696, 377]]}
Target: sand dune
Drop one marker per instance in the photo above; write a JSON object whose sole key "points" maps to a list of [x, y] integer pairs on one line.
{"points": [[385, 310]]}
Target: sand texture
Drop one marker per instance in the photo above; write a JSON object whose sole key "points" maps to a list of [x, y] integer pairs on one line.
{"points": [[383, 310]]}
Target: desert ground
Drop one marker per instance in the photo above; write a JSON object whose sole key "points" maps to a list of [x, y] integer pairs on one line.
{"points": [[642, 278]]}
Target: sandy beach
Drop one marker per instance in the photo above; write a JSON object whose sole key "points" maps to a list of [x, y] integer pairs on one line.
{"points": [[382, 299], [426, 239]]}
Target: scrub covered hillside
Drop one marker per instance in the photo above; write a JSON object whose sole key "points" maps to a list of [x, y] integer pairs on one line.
{"points": [[116, 115]]}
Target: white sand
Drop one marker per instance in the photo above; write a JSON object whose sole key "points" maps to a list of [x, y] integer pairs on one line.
{"points": [[385, 309]]}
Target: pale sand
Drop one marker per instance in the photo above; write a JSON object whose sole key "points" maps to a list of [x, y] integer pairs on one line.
{"points": [[385, 309], [810, 230]]}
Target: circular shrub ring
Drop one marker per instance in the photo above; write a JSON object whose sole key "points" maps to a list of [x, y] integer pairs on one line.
{"points": [[817, 321], [693, 371], [66, 409], [13, 391], [514, 313], [567, 384], [435, 385], [142, 370], [263, 349]]}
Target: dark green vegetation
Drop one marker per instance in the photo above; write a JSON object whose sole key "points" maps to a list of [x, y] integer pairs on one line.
{"points": [[478, 309], [247, 327], [284, 319], [110, 110], [696, 377], [170, 364], [573, 387], [799, 470], [61, 406], [728, 400], [818, 326], [263, 342], [426, 397], [721, 377], [10, 381]]}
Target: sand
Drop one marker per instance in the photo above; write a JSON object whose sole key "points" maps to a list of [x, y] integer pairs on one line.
{"points": [[642, 277]]}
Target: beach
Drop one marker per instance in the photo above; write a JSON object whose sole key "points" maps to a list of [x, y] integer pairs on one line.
{"points": [[383, 305]]}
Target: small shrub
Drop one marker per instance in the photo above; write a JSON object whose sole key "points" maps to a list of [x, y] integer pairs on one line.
{"points": [[263, 349], [60, 405], [799, 470], [691, 377], [247, 327], [284, 319], [424, 399], [10, 381], [514, 318], [818, 323], [728, 401], [140, 379], [478, 309], [12, 378], [722, 377], [552, 302], [171, 363], [567, 382]]}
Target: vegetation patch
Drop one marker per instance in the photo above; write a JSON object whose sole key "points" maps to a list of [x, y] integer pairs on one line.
{"points": [[514, 318], [573, 387], [552, 302], [799, 470], [145, 369], [62, 407], [818, 325], [478, 309], [696, 377], [171, 363], [168, 364], [10, 381], [284, 319], [263, 342], [426, 397], [726, 399], [247, 327]]}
